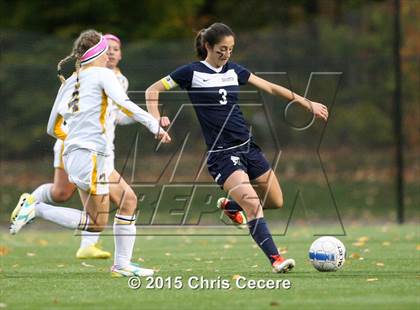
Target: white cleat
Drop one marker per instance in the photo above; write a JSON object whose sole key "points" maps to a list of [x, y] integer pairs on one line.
{"points": [[23, 214], [130, 271]]}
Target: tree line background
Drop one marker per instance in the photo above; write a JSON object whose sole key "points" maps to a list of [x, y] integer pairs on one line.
{"points": [[291, 37]]}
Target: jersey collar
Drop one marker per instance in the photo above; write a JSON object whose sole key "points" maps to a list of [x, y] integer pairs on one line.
{"points": [[218, 70]]}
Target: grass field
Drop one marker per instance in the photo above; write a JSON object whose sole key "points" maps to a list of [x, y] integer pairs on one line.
{"points": [[382, 271]]}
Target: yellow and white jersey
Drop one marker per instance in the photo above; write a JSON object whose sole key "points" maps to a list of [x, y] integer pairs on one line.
{"points": [[115, 114], [86, 112]]}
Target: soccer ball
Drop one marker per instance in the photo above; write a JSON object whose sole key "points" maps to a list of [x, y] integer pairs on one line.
{"points": [[327, 254]]}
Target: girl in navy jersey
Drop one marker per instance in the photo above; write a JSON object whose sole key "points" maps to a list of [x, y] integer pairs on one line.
{"points": [[234, 160]]}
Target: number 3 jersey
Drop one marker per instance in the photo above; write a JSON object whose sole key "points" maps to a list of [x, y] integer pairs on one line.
{"points": [[214, 93]]}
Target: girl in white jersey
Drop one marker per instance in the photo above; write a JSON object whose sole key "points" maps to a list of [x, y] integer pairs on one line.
{"points": [[82, 103], [62, 190]]}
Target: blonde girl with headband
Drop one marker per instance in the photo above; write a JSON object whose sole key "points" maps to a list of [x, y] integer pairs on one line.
{"points": [[62, 190], [82, 102]]}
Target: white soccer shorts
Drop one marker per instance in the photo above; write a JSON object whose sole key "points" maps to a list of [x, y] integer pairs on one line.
{"points": [[88, 171]]}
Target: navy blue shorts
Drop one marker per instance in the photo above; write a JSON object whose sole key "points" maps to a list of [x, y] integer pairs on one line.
{"points": [[248, 158]]}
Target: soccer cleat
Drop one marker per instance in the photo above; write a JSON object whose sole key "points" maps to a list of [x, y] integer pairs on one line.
{"points": [[237, 217], [93, 251], [130, 271], [283, 265], [23, 214]]}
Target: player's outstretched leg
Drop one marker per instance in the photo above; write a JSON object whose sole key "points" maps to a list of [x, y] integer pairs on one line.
{"points": [[239, 187], [232, 210], [28, 208]]}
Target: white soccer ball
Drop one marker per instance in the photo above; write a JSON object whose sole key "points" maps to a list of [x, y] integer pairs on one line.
{"points": [[327, 254]]}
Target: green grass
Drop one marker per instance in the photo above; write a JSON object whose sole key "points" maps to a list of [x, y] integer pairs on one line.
{"points": [[39, 271]]}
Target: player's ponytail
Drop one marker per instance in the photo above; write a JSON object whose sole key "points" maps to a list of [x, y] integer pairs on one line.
{"points": [[211, 35], [200, 47], [84, 42], [60, 63]]}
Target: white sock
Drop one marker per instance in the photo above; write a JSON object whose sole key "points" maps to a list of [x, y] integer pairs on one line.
{"points": [[67, 217], [89, 238], [43, 193], [124, 238]]}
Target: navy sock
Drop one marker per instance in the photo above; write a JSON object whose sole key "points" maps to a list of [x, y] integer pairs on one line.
{"points": [[262, 236], [233, 206]]}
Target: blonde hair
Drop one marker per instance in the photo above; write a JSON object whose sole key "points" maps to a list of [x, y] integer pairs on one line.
{"points": [[85, 41]]}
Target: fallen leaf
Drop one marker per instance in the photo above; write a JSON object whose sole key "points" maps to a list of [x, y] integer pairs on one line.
{"points": [[4, 251], [274, 304], [372, 279], [60, 266], [363, 239], [254, 266], [168, 254], [15, 265], [197, 259], [282, 250], [366, 250], [418, 247], [254, 246], [409, 236], [386, 243], [355, 255], [236, 276], [86, 265], [209, 262], [380, 264], [42, 242], [140, 259], [359, 244], [189, 269], [30, 254], [227, 246]]}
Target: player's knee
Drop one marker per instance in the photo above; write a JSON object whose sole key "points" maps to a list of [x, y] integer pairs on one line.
{"points": [[277, 203], [61, 194], [130, 203]]}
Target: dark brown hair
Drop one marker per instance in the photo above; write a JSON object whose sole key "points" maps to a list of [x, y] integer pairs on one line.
{"points": [[211, 35]]}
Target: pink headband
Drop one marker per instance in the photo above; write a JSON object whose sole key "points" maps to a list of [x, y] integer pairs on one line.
{"points": [[110, 36], [94, 52]]}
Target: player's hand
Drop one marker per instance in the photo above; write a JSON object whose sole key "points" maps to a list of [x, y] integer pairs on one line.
{"points": [[164, 121], [163, 136], [320, 110]]}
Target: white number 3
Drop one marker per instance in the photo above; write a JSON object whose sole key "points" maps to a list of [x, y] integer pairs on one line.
{"points": [[223, 92]]}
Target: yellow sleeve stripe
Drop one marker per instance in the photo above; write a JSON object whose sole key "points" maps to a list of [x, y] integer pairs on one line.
{"points": [[58, 130], [125, 111], [104, 105]]}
